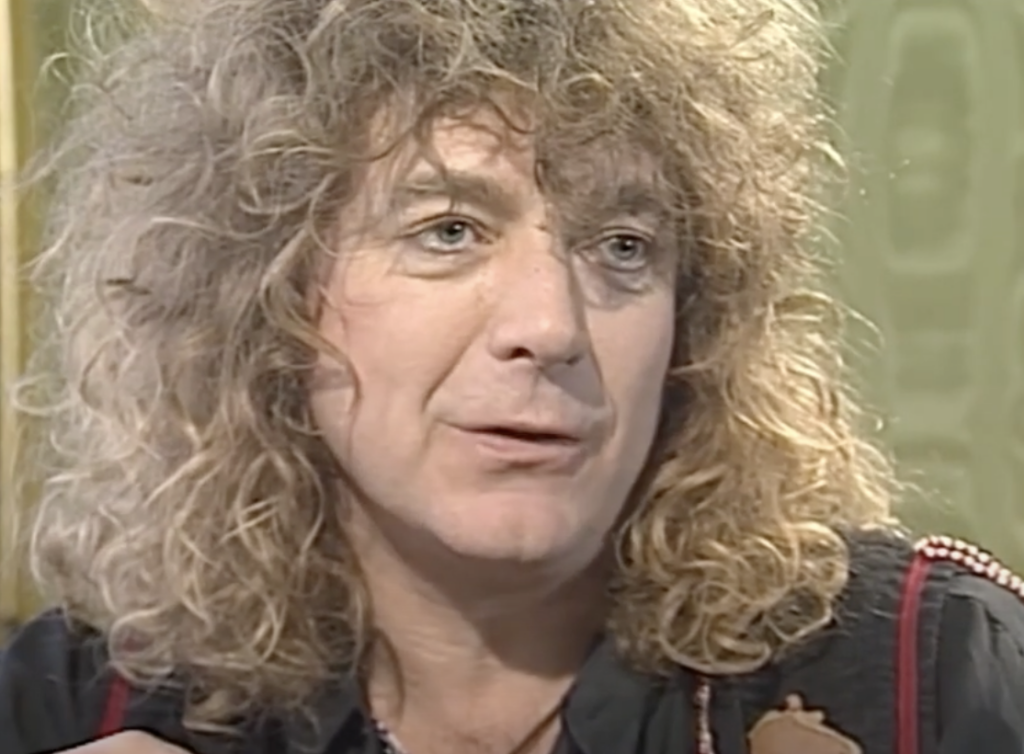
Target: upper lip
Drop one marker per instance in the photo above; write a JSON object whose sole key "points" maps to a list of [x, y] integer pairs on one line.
{"points": [[555, 430]]}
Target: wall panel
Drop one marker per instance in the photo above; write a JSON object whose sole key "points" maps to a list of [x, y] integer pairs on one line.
{"points": [[930, 97]]}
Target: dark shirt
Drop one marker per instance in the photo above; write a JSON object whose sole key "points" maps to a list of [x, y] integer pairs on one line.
{"points": [[53, 688]]}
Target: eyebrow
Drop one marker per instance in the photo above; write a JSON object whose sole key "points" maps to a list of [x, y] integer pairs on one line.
{"points": [[457, 187], [637, 199], [633, 199]]}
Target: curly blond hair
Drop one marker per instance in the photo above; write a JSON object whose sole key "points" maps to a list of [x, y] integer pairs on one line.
{"points": [[189, 507]]}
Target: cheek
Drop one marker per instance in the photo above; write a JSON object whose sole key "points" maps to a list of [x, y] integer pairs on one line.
{"points": [[396, 349], [363, 334], [336, 384], [332, 400], [634, 365], [638, 350]]}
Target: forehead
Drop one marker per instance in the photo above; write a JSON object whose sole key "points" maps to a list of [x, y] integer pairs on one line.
{"points": [[509, 145]]}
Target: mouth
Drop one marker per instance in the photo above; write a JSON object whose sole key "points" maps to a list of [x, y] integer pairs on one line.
{"points": [[517, 446], [525, 434]]}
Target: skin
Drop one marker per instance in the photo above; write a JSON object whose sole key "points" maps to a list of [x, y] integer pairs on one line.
{"points": [[497, 305], [478, 314], [130, 742], [458, 310]]}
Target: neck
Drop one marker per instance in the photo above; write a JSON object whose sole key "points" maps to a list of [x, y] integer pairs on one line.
{"points": [[458, 636]]}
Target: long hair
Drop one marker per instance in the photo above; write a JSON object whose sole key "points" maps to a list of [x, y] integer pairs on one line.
{"points": [[189, 507]]}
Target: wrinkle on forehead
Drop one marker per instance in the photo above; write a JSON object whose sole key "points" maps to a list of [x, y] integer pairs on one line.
{"points": [[577, 179]]}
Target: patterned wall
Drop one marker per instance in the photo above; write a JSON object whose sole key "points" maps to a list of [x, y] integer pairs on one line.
{"points": [[931, 96]]}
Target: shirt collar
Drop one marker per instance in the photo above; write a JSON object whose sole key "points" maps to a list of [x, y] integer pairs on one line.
{"points": [[605, 710], [608, 706]]}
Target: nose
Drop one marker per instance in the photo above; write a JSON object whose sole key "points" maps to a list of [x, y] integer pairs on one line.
{"points": [[539, 312]]}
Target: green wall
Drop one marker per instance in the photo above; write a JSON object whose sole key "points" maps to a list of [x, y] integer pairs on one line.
{"points": [[930, 98]]}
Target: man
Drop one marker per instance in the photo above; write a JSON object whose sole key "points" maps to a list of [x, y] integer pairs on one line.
{"points": [[450, 377]]}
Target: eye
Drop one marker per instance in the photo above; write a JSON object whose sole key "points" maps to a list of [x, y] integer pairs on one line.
{"points": [[624, 252], [448, 236]]}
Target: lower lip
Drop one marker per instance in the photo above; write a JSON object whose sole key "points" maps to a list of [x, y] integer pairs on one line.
{"points": [[515, 451]]}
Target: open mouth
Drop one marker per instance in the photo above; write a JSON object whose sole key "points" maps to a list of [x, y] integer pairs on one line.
{"points": [[525, 435], [525, 446]]}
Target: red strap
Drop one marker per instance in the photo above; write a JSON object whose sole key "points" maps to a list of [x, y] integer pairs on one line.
{"points": [[906, 657], [114, 710]]}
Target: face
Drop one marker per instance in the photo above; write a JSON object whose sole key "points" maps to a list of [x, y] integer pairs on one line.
{"points": [[504, 348]]}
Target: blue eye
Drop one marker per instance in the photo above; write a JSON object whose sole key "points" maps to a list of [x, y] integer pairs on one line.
{"points": [[624, 252], [448, 236]]}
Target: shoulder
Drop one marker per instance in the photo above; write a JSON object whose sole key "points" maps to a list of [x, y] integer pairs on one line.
{"points": [[980, 657], [938, 594], [948, 610], [52, 685], [983, 620], [953, 573], [963, 586], [981, 597], [1001, 608], [58, 691], [980, 586]]}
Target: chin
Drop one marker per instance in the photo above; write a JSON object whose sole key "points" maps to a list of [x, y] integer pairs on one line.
{"points": [[525, 532], [485, 543], [502, 549]]}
